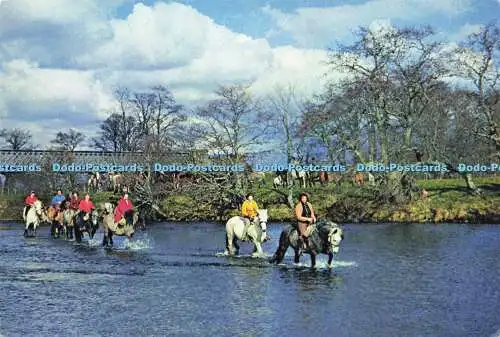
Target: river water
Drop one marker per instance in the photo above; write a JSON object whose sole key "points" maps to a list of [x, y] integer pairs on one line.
{"points": [[388, 280]]}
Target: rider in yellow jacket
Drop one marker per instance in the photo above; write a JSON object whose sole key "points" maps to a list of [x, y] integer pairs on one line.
{"points": [[249, 209]]}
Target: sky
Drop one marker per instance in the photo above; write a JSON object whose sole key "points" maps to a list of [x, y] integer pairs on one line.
{"points": [[60, 60]]}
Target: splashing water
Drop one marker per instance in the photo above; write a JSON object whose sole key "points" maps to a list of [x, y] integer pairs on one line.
{"points": [[254, 256], [324, 264], [143, 243]]}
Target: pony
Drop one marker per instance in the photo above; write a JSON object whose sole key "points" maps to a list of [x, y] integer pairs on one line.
{"points": [[69, 215], [111, 228], [301, 176], [94, 183], [255, 233], [35, 216], [86, 224], [116, 182], [3, 179], [324, 238], [359, 179], [56, 219], [278, 181]]}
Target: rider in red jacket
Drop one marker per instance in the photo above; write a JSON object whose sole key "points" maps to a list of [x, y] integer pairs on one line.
{"points": [[124, 205], [29, 201], [86, 205]]}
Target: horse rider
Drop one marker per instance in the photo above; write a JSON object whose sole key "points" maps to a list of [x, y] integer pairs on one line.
{"points": [[57, 200], [74, 201], [29, 201], [85, 207], [124, 205], [304, 213], [249, 210]]}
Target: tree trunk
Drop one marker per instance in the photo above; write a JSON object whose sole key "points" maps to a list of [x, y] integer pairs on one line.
{"points": [[372, 147]]}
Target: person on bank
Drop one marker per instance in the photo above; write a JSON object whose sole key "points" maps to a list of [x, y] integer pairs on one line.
{"points": [[85, 207], [124, 205], [249, 209], [29, 201], [304, 213]]}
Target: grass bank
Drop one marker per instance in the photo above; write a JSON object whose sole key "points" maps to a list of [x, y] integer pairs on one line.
{"points": [[448, 202]]}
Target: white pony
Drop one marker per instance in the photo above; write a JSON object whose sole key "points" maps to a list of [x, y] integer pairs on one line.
{"points": [[255, 233], [35, 216], [299, 175]]}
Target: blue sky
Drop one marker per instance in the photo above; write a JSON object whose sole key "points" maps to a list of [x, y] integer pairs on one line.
{"points": [[60, 60]]}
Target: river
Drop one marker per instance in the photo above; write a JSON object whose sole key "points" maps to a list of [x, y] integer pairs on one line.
{"points": [[388, 280]]}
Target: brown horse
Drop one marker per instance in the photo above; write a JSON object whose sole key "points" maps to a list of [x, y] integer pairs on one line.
{"points": [[56, 218], [359, 179]]}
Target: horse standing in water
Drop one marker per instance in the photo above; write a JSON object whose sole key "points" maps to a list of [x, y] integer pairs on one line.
{"points": [[324, 238], [35, 216], [57, 221], [255, 233], [111, 228], [86, 224]]}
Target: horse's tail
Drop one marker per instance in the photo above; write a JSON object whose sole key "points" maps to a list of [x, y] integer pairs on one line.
{"points": [[282, 247]]}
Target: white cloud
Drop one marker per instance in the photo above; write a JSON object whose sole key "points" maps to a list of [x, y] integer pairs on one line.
{"points": [[465, 31], [321, 27], [51, 81]]}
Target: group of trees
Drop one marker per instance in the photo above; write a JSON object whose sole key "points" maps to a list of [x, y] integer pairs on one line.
{"points": [[405, 95]]}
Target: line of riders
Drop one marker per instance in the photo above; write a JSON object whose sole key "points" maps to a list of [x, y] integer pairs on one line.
{"points": [[83, 216], [306, 235]]}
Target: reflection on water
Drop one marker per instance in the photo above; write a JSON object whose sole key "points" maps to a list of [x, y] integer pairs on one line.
{"points": [[388, 280]]}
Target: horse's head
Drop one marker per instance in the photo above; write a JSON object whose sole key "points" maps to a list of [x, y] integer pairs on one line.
{"points": [[335, 237], [94, 217], [38, 207], [108, 208], [262, 216]]}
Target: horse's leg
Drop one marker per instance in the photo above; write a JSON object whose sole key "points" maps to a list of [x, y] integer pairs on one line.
{"points": [[236, 246], [296, 258], [110, 237], [330, 259], [258, 248], [313, 260], [78, 234], [279, 255], [229, 243]]}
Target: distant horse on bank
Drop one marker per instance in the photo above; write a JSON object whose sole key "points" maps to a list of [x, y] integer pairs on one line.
{"points": [[94, 184]]}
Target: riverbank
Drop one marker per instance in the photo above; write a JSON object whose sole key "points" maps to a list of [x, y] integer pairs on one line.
{"points": [[448, 201]]}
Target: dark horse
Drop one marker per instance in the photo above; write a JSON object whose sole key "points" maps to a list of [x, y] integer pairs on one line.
{"points": [[324, 238], [86, 223]]}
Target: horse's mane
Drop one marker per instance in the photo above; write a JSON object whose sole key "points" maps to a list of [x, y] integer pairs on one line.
{"points": [[326, 225]]}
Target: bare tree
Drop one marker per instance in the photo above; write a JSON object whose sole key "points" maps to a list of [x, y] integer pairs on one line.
{"points": [[284, 112], [17, 139], [68, 141], [167, 116], [232, 122], [116, 134], [232, 125], [479, 58]]}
